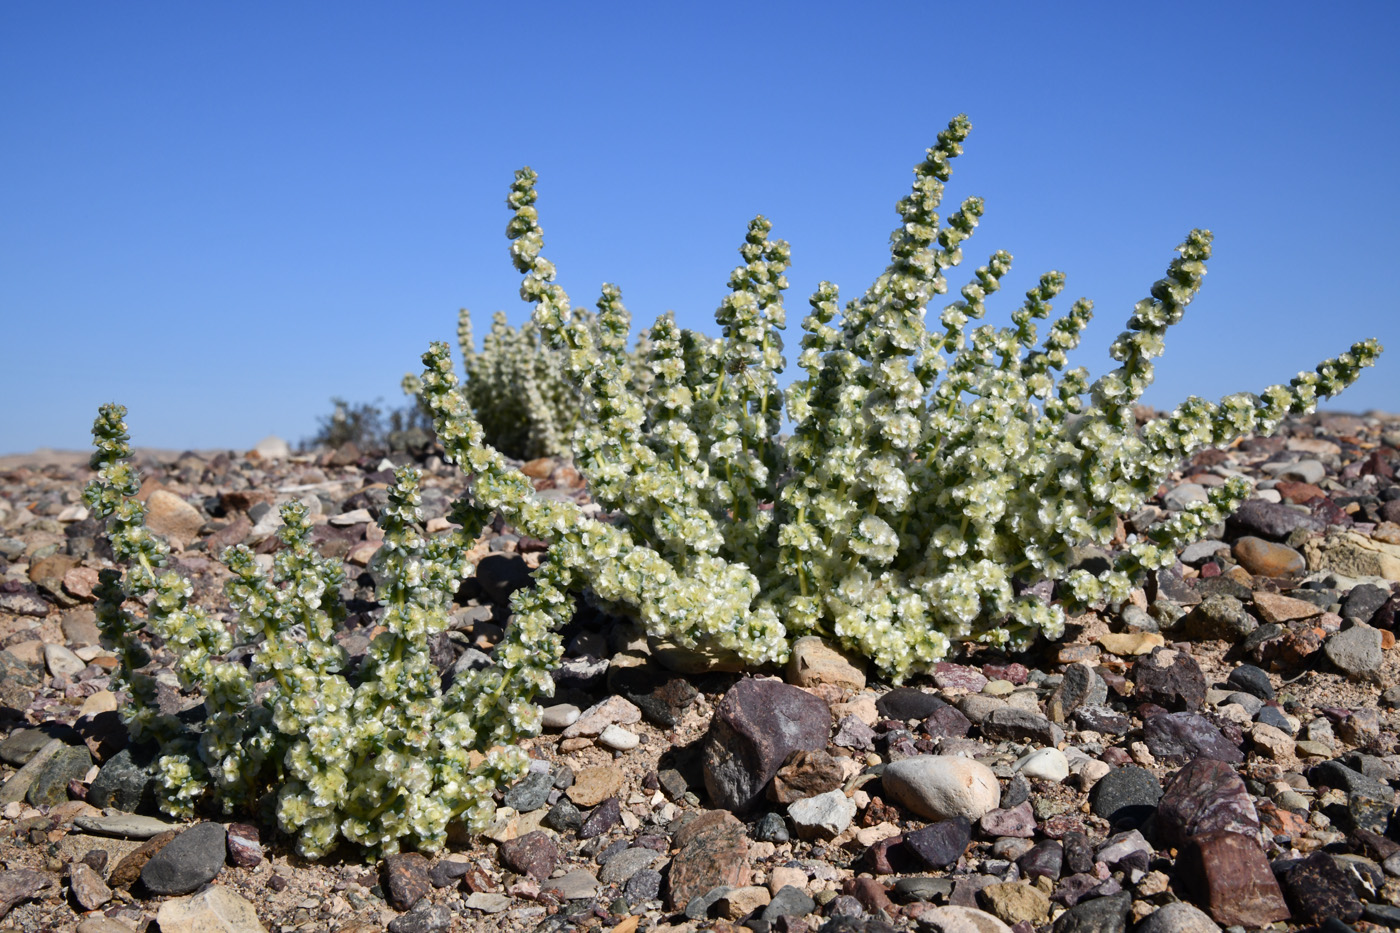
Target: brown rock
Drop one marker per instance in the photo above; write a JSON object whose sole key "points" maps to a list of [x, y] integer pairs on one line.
{"points": [[1205, 796], [79, 583], [226, 537], [594, 785], [244, 845], [534, 854], [129, 868], [1267, 559], [815, 662], [871, 894], [1275, 608], [1298, 493], [174, 518], [714, 851], [1232, 880], [805, 774], [405, 879], [1171, 679]]}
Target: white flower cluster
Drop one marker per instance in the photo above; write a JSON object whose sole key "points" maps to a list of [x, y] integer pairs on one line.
{"points": [[518, 386], [382, 757], [932, 476]]}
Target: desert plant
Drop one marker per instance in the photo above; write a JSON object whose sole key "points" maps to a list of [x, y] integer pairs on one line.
{"points": [[380, 758], [934, 474]]}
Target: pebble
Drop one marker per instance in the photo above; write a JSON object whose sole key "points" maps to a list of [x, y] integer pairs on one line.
{"points": [[560, 716], [194, 857], [1266, 558], [594, 785], [1126, 796], [941, 787], [824, 816], [1046, 764], [618, 738], [1356, 652], [1178, 917], [940, 844], [814, 662]]}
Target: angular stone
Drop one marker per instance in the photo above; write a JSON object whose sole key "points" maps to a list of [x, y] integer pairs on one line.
{"points": [[1131, 644], [594, 785], [712, 851], [1180, 737], [88, 888], [1010, 723], [1251, 680], [940, 787], [172, 517], [1353, 555], [244, 845], [1107, 914], [50, 787], [755, 727], [532, 792], [405, 879], [1205, 796], [824, 816], [959, 919], [1232, 879], [615, 710], [1218, 617], [1318, 888], [1015, 902], [1018, 821], [1045, 858], [622, 866], [947, 723], [940, 845], [1275, 608], [1081, 686], [1171, 679], [603, 818], [1356, 652], [1363, 601], [534, 854]]}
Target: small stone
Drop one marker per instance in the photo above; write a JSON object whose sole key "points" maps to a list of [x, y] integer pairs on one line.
{"points": [[1251, 680], [1273, 742], [405, 879], [50, 788], [534, 854], [908, 703], [1232, 878], [603, 818], [622, 866], [1218, 617], [488, 902], [1356, 652], [788, 901], [1362, 727], [1044, 859], [1097, 915], [1275, 608], [712, 851], [1080, 686], [941, 844], [738, 903], [814, 662], [575, 885], [594, 785], [62, 662], [88, 888], [1018, 821], [823, 816], [244, 845], [1126, 796], [854, 733], [940, 787], [805, 774], [530, 793], [644, 886], [1178, 917], [1171, 679], [1364, 600], [1015, 902], [618, 738], [1267, 559], [193, 858], [559, 716], [172, 517], [1010, 723], [960, 919], [755, 727], [613, 711], [1130, 644], [951, 676], [1046, 764], [948, 723]]}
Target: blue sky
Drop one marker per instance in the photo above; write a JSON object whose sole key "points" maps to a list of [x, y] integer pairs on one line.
{"points": [[221, 215]]}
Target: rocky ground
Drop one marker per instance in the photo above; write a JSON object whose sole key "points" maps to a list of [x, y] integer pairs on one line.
{"points": [[1221, 752]]}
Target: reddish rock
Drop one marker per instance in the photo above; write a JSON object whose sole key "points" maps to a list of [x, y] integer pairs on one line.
{"points": [[871, 894], [1171, 679], [405, 879], [1298, 493], [958, 676], [129, 868], [1016, 821], [755, 727], [1205, 796], [244, 845], [534, 854], [1231, 879], [713, 851]]}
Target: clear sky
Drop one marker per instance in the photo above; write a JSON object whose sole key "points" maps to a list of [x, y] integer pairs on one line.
{"points": [[221, 215]]}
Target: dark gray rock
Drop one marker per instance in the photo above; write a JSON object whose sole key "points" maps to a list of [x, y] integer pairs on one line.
{"points": [[788, 902], [772, 828], [23, 744], [531, 792], [125, 782], [1272, 520], [1099, 915], [923, 889], [1010, 723], [50, 787], [1251, 680], [1335, 774], [1362, 602], [1101, 719], [193, 858], [908, 703], [428, 918], [563, 817], [756, 725], [1219, 617], [1126, 796], [643, 886], [940, 844], [1171, 679], [1273, 716]]}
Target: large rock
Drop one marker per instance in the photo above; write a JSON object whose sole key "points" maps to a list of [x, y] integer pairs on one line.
{"points": [[942, 787], [1126, 795], [189, 860], [1171, 679], [172, 517], [755, 727], [217, 910], [1180, 737], [1231, 877], [1356, 652]]}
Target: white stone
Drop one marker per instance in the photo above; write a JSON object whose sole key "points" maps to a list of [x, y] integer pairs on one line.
{"points": [[273, 447], [560, 716], [941, 787], [353, 517], [62, 662], [612, 711], [217, 910], [1046, 764], [616, 737], [960, 920], [824, 816], [1091, 772]]}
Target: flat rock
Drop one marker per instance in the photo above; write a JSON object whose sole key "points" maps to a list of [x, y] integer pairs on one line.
{"points": [[217, 910], [193, 858], [1353, 555], [1180, 737], [941, 844], [954, 919], [1356, 652], [712, 852], [594, 785], [814, 662], [124, 825]]}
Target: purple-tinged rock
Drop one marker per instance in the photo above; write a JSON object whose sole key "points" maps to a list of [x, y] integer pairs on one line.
{"points": [[244, 845], [713, 852], [1044, 858], [534, 854], [405, 879], [947, 722], [1101, 719], [1232, 880], [951, 676], [1180, 737], [1171, 679], [1318, 888], [755, 727], [1017, 821], [852, 732], [603, 818], [1272, 520], [940, 845], [1205, 796], [1078, 852]]}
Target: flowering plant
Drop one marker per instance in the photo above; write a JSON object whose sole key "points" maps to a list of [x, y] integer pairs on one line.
{"points": [[933, 475], [378, 757]]}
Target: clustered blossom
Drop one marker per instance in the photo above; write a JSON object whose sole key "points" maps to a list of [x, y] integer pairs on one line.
{"points": [[935, 471], [381, 758]]}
